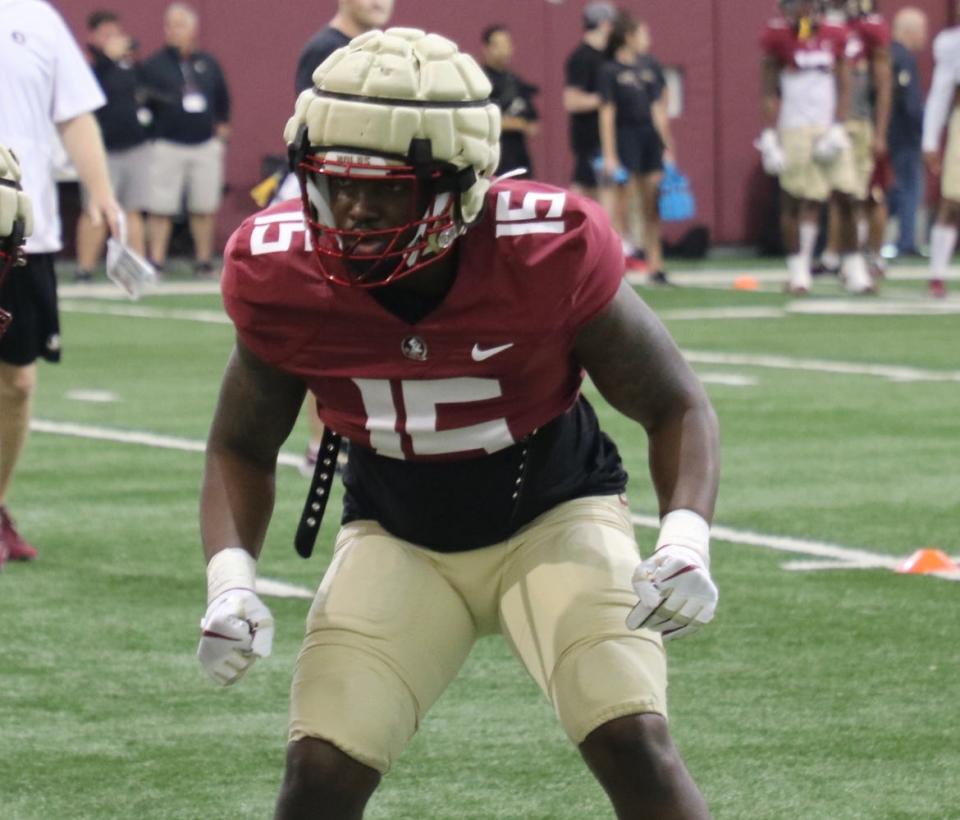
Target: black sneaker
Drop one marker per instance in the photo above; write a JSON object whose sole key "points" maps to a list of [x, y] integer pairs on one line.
{"points": [[659, 278], [82, 276]]}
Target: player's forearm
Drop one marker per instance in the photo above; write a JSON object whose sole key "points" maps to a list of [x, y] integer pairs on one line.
{"points": [[84, 145], [236, 501], [844, 88], [608, 139], [578, 101], [661, 121], [883, 85], [685, 460], [769, 92]]}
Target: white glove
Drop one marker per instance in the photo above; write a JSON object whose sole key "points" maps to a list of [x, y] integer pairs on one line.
{"points": [[237, 629], [771, 152], [831, 144], [676, 593], [14, 203]]}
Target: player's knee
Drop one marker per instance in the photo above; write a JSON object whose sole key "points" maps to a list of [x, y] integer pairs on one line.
{"points": [[319, 774], [17, 384], [638, 744]]}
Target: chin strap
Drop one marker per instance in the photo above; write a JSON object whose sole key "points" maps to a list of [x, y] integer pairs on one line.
{"points": [[318, 495]]}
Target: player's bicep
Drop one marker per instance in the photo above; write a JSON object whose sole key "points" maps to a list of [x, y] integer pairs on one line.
{"points": [[634, 362], [257, 407]]}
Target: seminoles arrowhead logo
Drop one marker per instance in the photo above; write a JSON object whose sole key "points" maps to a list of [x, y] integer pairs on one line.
{"points": [[478, 354]]}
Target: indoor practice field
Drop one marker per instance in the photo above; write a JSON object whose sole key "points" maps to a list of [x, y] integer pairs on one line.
{"points": [[825, 688]]}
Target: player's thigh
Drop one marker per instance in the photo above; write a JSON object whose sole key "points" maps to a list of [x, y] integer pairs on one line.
{"points": [[566, 595], [861, 141], [385, 635], [801, 177], [167, 177], [205, 184], [950, 182]]}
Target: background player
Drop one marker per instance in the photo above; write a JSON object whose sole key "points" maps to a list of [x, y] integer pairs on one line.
{"points": [[445, 336], [806, 93]]}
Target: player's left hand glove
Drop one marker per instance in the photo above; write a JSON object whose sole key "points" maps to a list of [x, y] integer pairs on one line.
{"points": [[237, 627], [831, 144], [676, 593], [14, 203]]}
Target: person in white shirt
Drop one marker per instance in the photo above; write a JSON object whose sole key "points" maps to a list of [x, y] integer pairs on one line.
{"points": [[942, 105], [47, 89]]}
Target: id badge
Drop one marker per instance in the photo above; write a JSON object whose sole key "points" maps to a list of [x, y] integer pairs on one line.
{"points": [[194, 102]]}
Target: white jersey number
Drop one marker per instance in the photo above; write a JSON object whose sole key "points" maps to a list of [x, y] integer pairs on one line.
{"points": [[525, 220], [421, 398]]}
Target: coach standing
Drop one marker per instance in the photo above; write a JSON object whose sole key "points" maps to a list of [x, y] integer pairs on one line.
{"points": [[191, 109]]}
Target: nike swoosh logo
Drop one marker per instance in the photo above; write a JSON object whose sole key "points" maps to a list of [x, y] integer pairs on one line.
{"points": [[478, 354]]}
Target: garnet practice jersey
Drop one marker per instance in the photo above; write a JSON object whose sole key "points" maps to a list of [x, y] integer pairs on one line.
{"points": [[467, 386], [865, 36], [808, 94]]}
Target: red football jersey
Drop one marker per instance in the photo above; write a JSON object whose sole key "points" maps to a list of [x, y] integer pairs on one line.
{"points": [[493, 362], [822, 50], [865, 35]]}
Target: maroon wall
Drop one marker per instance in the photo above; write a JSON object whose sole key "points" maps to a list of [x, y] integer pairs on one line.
{"points": [[713, 42]]}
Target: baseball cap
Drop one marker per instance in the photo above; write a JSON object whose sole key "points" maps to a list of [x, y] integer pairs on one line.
{"points": [[598, 12]]}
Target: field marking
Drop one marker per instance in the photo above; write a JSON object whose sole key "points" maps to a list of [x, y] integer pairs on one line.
{"points": [[281, 589], [95, 396], [728, 379], [895, 373], [213, 317], [849, 556]]}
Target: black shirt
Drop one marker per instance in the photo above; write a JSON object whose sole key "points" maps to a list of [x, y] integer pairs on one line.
{"points": [[118, 118], [583, 71], [630, 89], [906, 114], [514, 97], [453, 506], [173, 84], [317, 49]]}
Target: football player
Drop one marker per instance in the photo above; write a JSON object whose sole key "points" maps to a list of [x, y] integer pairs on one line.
{"points": [[868, 52], [444, 320], [942, 105], [806, 94]]}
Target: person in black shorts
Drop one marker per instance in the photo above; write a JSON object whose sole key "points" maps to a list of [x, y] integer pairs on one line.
{"points": [[580, 97], [634, 135]]}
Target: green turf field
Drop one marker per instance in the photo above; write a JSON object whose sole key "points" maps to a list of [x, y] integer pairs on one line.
{"points": [[819, 693]]}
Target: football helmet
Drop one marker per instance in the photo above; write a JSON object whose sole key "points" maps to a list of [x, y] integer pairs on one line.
{"points": [[407, 117]]}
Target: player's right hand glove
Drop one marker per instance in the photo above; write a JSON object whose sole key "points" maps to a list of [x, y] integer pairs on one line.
{"points": [[237, 627], [771, 152]]}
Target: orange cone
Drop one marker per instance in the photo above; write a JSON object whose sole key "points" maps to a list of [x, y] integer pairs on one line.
{"points": [[927, 561], [746, 282]]}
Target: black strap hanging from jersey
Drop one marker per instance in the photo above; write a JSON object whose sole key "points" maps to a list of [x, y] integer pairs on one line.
{"points": [[319, 493]]}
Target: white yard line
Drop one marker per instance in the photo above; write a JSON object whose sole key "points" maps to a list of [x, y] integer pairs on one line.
{"points": [[897, 373], [140, 312], [849, 557]]}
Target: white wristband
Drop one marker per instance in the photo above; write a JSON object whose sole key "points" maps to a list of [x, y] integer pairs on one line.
{"points": [[685, 528], [232, 568]]}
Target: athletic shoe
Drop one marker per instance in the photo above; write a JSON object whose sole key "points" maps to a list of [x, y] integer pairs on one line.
{"points": [[203, 270], [635, 265], [82, 276], [17, 548], [821, 268], [659, 277], [937, 289]]}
